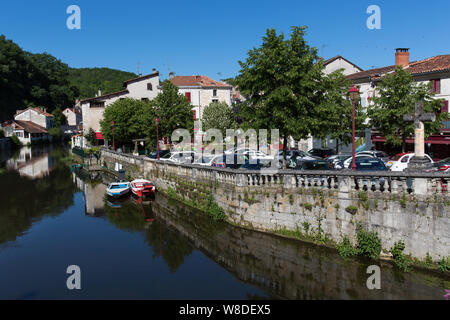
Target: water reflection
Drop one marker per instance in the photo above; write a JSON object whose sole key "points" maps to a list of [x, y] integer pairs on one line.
{"points": [[26, 199], [282, 268]]}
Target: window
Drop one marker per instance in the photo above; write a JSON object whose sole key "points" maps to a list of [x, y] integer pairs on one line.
{"points": [[26, 135], [215, 93], [188, 96], [149, 87], [97, 104], [436, 86], [444, 107], [215, 100]]}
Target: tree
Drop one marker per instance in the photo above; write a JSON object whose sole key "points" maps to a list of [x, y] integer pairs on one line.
{"points": [[173, 110], [129, 120], [218, 115], [282, 81], [91, 137], [59, 119], [395, 97], [334, 114]]}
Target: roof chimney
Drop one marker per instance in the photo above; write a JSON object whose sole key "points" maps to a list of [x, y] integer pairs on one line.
{"points": [[154, 70], [171, 75], [402, 57]]}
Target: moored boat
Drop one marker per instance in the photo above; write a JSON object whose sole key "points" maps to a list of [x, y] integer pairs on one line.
{"points": [[118, 189], [142, 187]]}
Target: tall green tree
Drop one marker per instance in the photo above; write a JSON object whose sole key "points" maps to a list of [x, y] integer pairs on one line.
{"points": [[129, 122], [334, 114], [282, 81], [396, 96], [173, 110], [218, 115], [59, 119]]}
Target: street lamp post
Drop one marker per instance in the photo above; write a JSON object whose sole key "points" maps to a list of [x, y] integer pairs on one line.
{"points": [[112, 126], [353, 96], [157, 136]]}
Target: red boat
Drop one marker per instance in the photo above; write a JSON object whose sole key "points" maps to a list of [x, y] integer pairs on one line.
{"points": [[142, 187]]}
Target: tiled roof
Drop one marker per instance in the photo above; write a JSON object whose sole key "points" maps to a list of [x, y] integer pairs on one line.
{"points": [[326, 62], [197, 81], [148, 76], [430, 65], [105, 96], [28, 126], [35, 109]]}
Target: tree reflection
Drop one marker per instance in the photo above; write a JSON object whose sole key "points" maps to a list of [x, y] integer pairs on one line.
{"points": [[25, 201], [132, 217]]}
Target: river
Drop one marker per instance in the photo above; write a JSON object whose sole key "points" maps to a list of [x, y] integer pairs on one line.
{"points": [[52, 218]]}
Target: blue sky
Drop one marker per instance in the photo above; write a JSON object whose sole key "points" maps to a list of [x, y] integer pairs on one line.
{"points": [[209, 37]]}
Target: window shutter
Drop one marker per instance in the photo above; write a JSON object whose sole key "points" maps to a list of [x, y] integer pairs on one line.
{"points": [[438, 86], [444, 107], [194, 114], [188, 96]]}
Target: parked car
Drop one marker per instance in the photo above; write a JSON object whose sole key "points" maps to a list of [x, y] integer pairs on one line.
{"points": [[234, 162], [337, 161], [370, 164], [400, 163], [322, 152], [154, 154], [253, 166], [377, 154], [256, 154], [207, 160], [312, 165], [441, 165], [292, 156], [348, 162], [179, 157]]}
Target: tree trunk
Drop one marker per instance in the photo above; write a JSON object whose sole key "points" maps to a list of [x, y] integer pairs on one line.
{"points": [[403, 143]]}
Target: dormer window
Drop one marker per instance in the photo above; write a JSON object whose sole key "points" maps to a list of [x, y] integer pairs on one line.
{"points": [[149, 87]]}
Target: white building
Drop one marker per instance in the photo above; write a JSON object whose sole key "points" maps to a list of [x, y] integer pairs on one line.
{"points": [[73, 116], [29, 125], [141, 88], [436, 70], [331, 65]]}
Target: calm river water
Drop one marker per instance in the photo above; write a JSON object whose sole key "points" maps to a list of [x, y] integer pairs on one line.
{"points": [[51, 218]]}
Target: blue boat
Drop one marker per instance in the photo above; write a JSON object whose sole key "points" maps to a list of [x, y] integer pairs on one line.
{"points": [[118, 189]]}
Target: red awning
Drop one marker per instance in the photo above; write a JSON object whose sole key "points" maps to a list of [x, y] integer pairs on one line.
{"points": [[99, 136], [431, 140]]}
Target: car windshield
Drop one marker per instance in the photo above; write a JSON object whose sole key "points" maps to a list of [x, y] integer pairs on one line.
{"points": [[397, 157], [166, 156], [367, 164], [205, 159]]}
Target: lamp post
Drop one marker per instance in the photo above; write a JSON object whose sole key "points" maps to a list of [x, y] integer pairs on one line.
{"points": [[353, 92], [112, 126], [157, 137]]}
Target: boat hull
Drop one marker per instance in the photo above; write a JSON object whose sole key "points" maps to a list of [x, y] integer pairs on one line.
{"points": [[142, 188], [118, 190]]}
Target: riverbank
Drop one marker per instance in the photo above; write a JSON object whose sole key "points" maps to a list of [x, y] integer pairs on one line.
{"points": [[294, 204]]}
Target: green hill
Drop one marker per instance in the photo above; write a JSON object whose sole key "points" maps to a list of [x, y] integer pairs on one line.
{"points": [[90, 80]]}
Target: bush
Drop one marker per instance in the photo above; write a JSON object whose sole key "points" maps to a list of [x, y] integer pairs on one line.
{"points": [[214, 210], [171, 193], [369, 245], [444, 264], [399, 256], [352, 210], [346, 249]]}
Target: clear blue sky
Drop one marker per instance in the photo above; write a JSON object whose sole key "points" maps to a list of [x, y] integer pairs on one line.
{"points": [[209, 37]]}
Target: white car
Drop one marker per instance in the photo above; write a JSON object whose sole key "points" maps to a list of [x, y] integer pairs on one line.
{"points": [[257, 155], [402, 163], [207, 160], [179, 157]]}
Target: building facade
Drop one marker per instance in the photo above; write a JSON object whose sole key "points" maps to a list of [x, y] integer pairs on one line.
{"points": [[141, 88], [436, 70]]}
